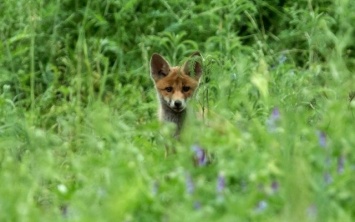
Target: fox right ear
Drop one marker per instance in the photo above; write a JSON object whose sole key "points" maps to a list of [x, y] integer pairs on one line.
{"points": [[193, 66], [159, 67]]}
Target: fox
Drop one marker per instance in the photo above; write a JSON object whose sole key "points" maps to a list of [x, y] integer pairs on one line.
{"points": [[175, 86]]}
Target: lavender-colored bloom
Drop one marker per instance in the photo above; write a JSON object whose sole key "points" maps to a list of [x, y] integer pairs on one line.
{"points": [[190, 187], [275, 114], [197, 205], [275, 186], [64, 210], [221, 183], [282, 58], [327, 178], [328, 162], [322, 139], [261, 206], [273, 119], [341, 164], [200, 156]]}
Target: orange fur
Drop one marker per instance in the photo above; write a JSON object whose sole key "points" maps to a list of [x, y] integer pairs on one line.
{"points": [[174, 86]]}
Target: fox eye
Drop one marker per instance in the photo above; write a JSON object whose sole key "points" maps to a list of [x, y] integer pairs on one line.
{"points": [[185, 88], [169, 89]]}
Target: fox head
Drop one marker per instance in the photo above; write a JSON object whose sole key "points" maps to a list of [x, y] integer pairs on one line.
{"points": [[175, 85]]}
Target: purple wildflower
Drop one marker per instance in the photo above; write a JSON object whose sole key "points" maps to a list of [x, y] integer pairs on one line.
{"points": [[200, 157], [220, 187], [275, 186], [221, 183], [197, 205], [341, 163], [282, 58], [190, 187], [261, 206], [322, 139], [64, 210], [273, 119], [328, 162], [275, 113], [327, 178]]}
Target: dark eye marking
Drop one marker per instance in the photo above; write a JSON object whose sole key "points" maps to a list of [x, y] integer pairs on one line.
{"points": [[169, 89], [185, 88]]}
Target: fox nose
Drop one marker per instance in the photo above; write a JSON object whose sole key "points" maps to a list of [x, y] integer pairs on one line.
{"points": [[177, 103]]}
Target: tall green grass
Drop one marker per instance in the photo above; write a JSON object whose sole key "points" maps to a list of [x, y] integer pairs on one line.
{"points": [[274, 114]]}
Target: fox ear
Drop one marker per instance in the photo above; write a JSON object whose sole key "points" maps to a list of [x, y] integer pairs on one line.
{"points": [[159, 67], [193, 66]]}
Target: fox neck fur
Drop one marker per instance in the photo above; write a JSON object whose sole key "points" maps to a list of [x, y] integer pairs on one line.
{"points": [[169, 115]]}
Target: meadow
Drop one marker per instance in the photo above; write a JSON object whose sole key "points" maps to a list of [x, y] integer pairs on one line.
{"points": [[269, 136]]}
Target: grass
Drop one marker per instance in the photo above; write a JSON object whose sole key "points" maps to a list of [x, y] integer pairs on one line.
{"points": [[274, 114]]}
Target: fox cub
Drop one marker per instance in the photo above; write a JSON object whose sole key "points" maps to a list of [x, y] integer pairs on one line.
{"points": [[174, 86]]}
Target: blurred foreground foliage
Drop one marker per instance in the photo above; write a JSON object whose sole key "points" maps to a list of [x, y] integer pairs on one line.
{"points": [[78, 132]]}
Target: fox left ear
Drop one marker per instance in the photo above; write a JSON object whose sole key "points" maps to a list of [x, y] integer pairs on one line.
{"points": [[193, 66], [159, 67]]}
